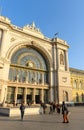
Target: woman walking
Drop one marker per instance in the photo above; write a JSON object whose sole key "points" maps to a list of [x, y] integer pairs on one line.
{"points": [[65, 113]]}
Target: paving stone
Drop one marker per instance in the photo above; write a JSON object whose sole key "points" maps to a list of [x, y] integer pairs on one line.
{"points": [[45, 122]]}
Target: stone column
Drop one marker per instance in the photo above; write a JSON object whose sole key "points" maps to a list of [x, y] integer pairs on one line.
{"points": [[33, 95], [57, 58], [51, 89], [15, 96], [42, 95], [55, 61], [57, 74], [25, 95], [4, 96]]}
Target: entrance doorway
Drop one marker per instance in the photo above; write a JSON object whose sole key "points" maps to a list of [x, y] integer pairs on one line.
{"points": [[19, 98], [37, 99], [29, 99]]}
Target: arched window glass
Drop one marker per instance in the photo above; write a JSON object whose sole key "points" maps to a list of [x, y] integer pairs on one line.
{"points": [[11, 74], [28, 65], [19, 75], [29, 57], [14, 74], [75, 84], [24, 75]]}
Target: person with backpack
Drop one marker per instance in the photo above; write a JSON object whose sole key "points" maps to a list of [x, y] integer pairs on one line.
{"points": [[65, 113]]}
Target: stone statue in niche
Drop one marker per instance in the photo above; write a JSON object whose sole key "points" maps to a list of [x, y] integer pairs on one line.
{"points": [[61, 59]]}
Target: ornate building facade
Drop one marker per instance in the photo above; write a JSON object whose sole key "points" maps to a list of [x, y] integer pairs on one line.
{"points": [[32, 66], [77, 83]]}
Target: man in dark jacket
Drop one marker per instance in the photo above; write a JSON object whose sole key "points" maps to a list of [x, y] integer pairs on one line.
{"points": [[22, 109]]}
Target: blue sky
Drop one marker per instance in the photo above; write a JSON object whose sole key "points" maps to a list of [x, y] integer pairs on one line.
{"points": [[51, 16]]}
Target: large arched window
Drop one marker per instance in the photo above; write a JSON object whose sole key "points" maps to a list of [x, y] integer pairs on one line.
{"points": [[61, 59], [75, 84], [80, 85], [28, 65]]}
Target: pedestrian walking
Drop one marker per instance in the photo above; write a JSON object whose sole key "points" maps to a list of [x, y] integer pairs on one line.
{"points": [[41, 108], [22, 109], [58, 108], [51, 108], [54, 106], [44, 108], [65, 113]]}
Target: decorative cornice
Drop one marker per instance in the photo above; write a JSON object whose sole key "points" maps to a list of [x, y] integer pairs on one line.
{"points": [[74, 70], [5, 19], [32, 27]]}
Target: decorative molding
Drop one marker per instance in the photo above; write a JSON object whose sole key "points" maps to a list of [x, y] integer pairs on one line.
{"points": [[32, 27], [5, 19], [12, 39], [64, 79]]}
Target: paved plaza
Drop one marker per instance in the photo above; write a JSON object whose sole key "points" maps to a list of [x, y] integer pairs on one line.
{"points": [[45, 122]]}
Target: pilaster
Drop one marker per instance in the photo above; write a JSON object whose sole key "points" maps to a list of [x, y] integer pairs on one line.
{"points": [[4, 43], [16, 92], [66, 61], [25, 95], [42, 95], [33, 95]]}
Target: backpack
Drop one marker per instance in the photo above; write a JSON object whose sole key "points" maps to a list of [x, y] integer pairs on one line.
{"points": [[64, 109], [22, 108]]}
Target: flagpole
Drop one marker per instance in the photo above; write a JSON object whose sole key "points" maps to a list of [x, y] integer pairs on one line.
{"points": [[1, 1]]}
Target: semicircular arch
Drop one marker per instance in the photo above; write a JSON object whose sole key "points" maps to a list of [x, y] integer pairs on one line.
{"points": [[39, 48]]}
